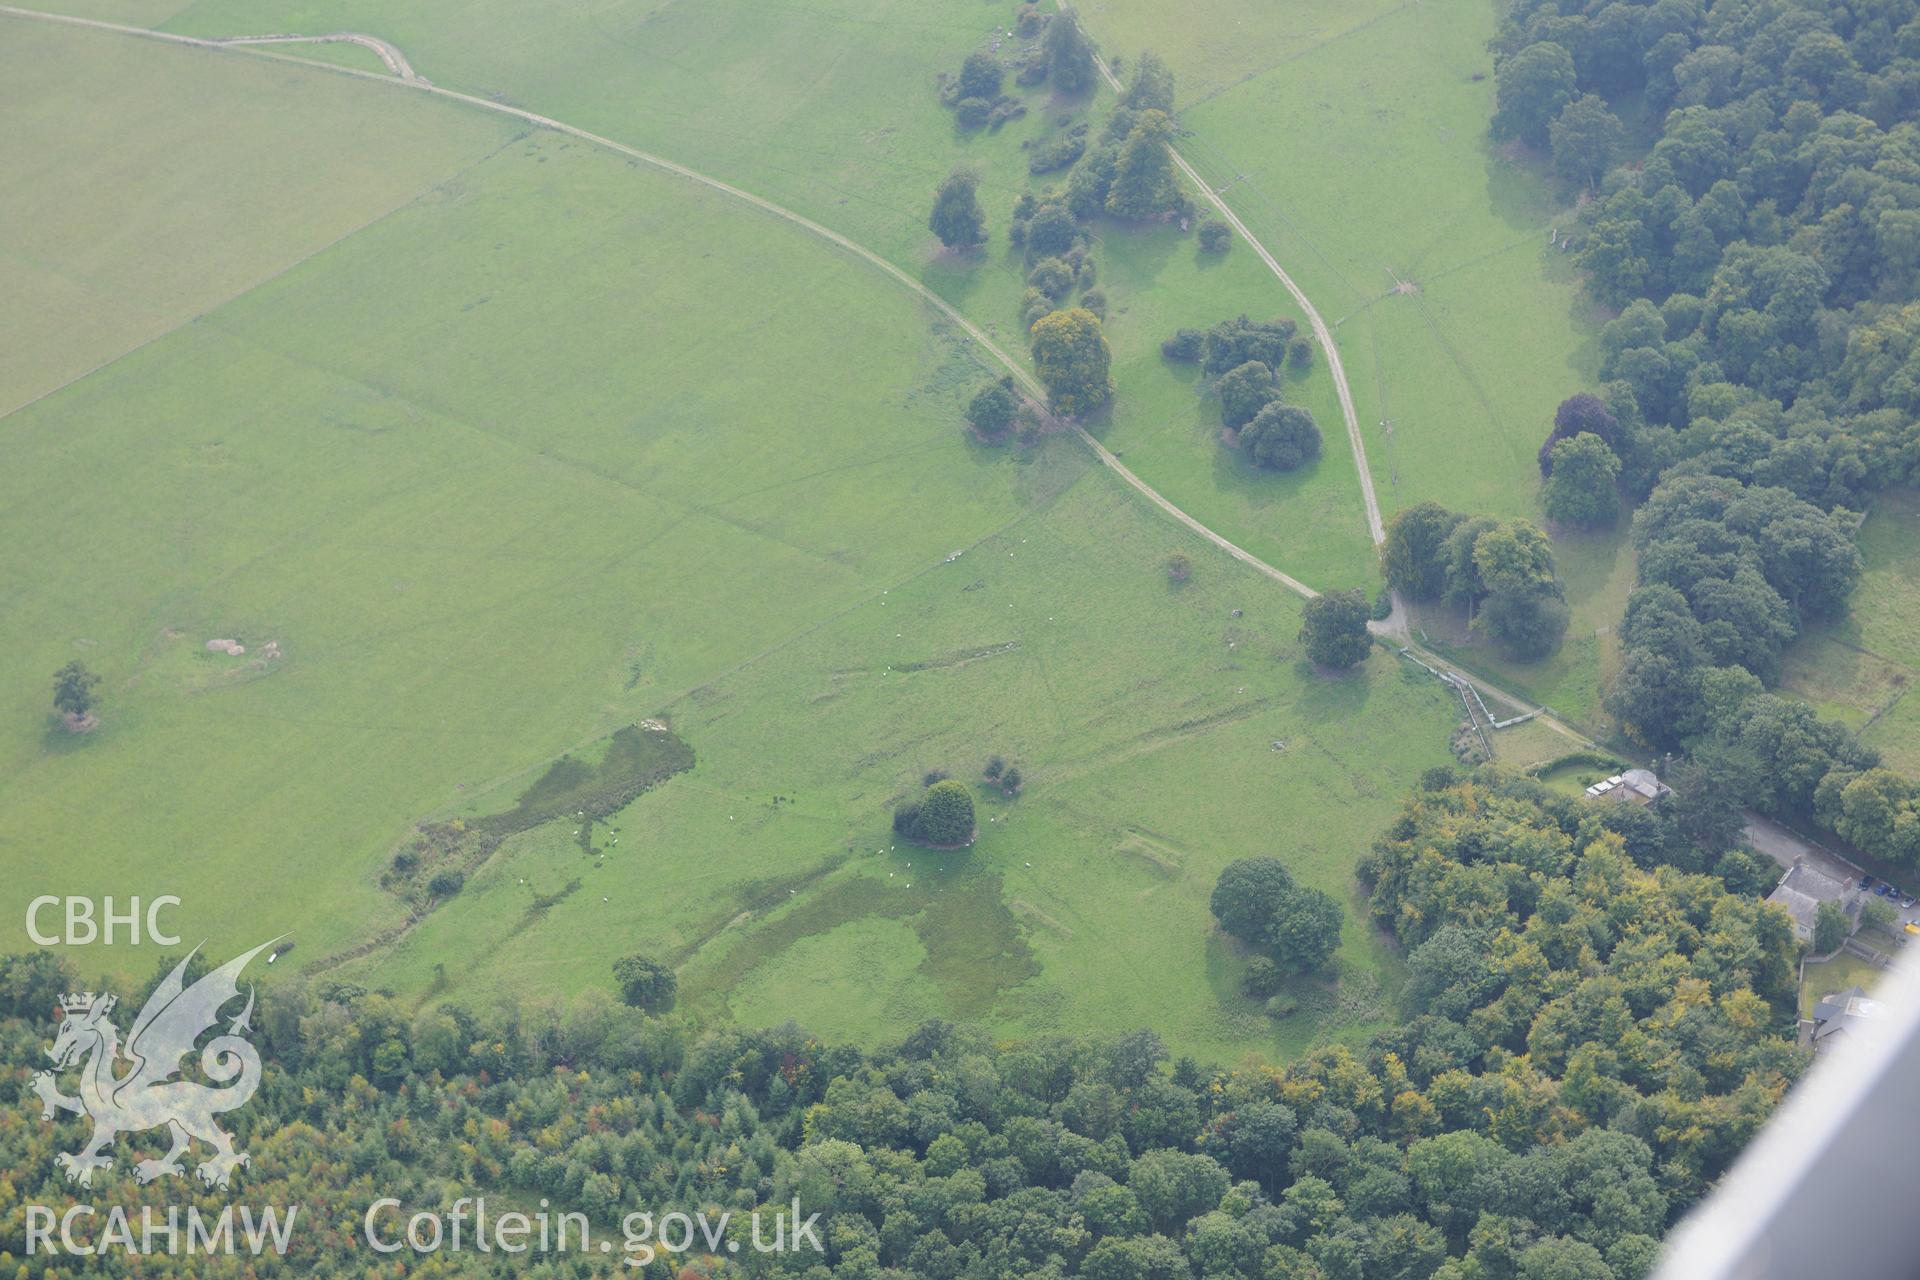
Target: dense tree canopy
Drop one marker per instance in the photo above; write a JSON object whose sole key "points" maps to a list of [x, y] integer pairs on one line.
{"points": [[1257, 901], [1144, 184], [1150, 86], [1232, 343], [1069, 56], [946, 814], [1585, 137], [1532, 88], [956, 216], [1244, 391], [1073, 359], [1281, 437], [1588, 1043], [1333, 627], [1414, 557], [645, 983], [1582, 487]]}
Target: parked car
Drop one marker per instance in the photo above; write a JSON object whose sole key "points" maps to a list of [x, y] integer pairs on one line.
{"points": [[1885, 890], [1866, 882], [1908, 900]]}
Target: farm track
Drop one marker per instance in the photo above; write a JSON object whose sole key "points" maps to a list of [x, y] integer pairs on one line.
{"points": [[405, 77], [387, 51], [1323, 335]]}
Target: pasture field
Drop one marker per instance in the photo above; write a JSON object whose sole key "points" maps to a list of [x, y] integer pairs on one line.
{"points": [[833, 111], [1862, 671], [553, 443], [1144, 718], [497, 474], [1363, 163], [216, 210], [1352, 139]]}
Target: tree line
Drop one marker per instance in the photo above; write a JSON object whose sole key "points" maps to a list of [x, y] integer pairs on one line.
{"points": [[1759, 380], [1592, 1035]]}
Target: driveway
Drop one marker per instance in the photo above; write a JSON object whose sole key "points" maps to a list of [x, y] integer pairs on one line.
{"points": [[1785, 847]]}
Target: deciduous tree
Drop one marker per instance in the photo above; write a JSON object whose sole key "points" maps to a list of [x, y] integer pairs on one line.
{"points": [[1333, 627], [1144, 185], [1069, 56], [1073, 360], [1245, 391], [1583, 488], [1281, 437], [646, 983], [74, 690], [956, 216], [1413, 559]]}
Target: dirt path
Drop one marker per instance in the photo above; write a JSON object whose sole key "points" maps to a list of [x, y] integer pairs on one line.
{"points": [[248, 44], [1322, 334], [252, 46], [388, 52]]}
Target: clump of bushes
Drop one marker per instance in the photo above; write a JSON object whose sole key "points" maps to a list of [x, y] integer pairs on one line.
{"points": [[1281, 437], [1184, 346], [1215, 235], [993, 410], [1004, 776], [975, 94], [1245, 391], [1060, 153], [1053, 277], [1232, 343], [1033, 306], [942, 816]]}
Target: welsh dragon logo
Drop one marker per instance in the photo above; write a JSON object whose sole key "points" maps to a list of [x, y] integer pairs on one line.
{"points": [[148, 1094]]}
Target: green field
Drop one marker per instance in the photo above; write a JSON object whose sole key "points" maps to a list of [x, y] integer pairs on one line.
{"points": [[832, 111], [88, 279], [1353, 141], [541, 442], [1144, 718], [1862, 671]]}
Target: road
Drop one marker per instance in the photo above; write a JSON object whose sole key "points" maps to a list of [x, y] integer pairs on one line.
{"points": [[405, 77]]}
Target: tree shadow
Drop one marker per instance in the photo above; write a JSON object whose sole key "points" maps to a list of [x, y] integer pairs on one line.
{"points": [[58, 740], [1257, 486], [1327, 696]]}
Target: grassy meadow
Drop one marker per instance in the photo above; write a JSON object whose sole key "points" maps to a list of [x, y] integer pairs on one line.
{"points": [[1862, 671], [211, 211], [1159, 736], [1352, 139], [533, 443], [833, 111], [495, 473]]}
